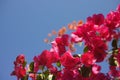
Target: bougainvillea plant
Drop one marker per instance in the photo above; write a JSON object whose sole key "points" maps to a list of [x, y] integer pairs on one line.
{"points": [[61, 63]]}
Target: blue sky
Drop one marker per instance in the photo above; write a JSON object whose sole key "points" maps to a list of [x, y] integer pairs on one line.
{"points": [[25, 23]]}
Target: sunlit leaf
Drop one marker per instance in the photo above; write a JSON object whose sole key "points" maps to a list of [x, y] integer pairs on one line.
{"points": [[85, 49], [46, 74], [24, 64], [40, 77], [25, 78], [85, 71], [58, 64], [31, 66], [112, 61]]}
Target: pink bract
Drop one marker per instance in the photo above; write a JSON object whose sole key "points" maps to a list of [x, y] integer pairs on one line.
{"points": [[88, 59]]}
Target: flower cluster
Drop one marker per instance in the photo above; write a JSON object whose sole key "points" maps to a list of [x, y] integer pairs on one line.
{"points": [[60, 62], [19, 67]]}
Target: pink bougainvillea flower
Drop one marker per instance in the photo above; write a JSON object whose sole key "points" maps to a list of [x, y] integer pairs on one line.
{"points": [[20, 59], [103, 32], [70, 74], [75, 38], [54, 57], [114, 72], [53, 70], [84, 33], [96, 19], [36, 63], [100, 76], [19, 71], [98, 43], [118, 8], [112, 21], [88, 59], [62, 41], [46, 58], [65, 39], [98, 47], [32, 76], [96, 69], [79, 34], [99, 55], [68, 61], [115, 19], [54, 47], [41, 60]]}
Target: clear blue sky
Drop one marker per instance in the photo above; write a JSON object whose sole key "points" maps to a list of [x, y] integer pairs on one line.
{"points": [[25, 23]]}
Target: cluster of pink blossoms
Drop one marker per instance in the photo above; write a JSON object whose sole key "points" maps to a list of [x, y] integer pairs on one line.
{"points": [[19, 67], [59, 63]]}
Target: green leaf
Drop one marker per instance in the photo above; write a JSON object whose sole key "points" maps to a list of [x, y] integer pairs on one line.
{"points": [[58, 64], [24, 64], [40, 77], [25, 78], [53, 77], [85, 49], [85, 71], [31, 66], [112, 61], [114, 44], [46, 74], [115, 51]]}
